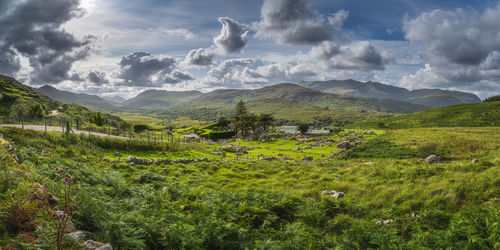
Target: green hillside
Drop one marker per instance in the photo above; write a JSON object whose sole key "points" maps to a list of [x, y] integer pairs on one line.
{"points": [[463, 115], [429, 97], [160, 99], [302, 94], [91, 101], [10, 90], [285, 111]]}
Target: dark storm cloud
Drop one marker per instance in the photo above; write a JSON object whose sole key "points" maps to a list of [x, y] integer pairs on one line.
{"points": [[33, 29], [199, 57], [9, 61], [232, 37], [139, 69], [97, 77], [291, 22]]}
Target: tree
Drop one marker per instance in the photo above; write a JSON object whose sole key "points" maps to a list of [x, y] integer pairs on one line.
{"points": [[98, 119], [20, 110], [37, 112], [243, 122], [125, 127], [264, 121], [303, 127], [223, 122]]}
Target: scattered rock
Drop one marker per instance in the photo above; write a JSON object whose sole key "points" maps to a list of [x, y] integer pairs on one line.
{"points": [[94, 245], [384, 222], [337, 153], [77, 235], [344, 144], [333, 194], [53, 200], [432, 159], [474, 161], [279, 154], [307, 158], [70, 227], [372, 133], [117, 154]]}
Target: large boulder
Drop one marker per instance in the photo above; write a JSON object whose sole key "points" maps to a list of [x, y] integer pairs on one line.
{"points": [[432, 159]]}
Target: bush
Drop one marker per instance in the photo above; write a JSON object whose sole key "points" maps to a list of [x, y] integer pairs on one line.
{"points": [[495, 98], [218, 135], [140, 127]]}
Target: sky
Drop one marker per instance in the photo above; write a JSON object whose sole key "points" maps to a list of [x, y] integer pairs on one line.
{"points": [[118, 47]]}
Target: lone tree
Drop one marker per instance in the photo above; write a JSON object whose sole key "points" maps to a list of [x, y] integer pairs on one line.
{"points": [[264, 121], [20, 110], [243, 121], [37, 112], [303, 128]]}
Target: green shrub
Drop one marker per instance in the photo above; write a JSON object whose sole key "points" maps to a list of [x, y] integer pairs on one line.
{"points": [[218, 135]]}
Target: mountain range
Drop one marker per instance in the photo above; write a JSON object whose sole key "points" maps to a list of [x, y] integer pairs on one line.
{"points": [[429, 97], [346, 98]]}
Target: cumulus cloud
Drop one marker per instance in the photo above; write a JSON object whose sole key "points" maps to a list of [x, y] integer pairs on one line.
{"points": [[33, 29], [325, 61], [291, 22], [144, 69], [98, 78], [199, 58], [232, 37], [462, 47]]}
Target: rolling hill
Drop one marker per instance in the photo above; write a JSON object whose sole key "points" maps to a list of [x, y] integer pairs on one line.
{"points": [[313, 97], [160, 99], [462, 115], [429, 97], [10, 90], [91, 101]]}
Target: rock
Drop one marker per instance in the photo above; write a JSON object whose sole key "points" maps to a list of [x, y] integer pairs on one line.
{"points": [[338, 195], [94, 245], [269, 158], [164, 189], [130, 159], [344, 144], [384, 222], [70, 227], [369, 163], [307, 158], [432, 159], [333, 194], [474, 161], [279, 154], [43, 152], [117, 154], [337, 153], [53, 200], [322, 155], [77, 235], [372, 133]]}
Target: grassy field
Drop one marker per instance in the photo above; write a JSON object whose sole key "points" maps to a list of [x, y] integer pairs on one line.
{"points": [[463, 115], [266, 204]]}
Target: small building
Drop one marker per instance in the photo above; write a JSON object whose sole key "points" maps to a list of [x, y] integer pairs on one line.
{"points": [[289, 129], [319, 131]]}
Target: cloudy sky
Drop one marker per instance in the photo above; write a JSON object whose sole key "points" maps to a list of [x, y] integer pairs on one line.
{"points": [[110, 47]]}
